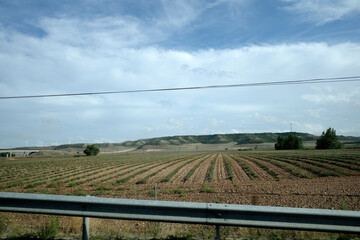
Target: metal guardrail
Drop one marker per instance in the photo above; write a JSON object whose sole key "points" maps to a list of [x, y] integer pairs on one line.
{"points": [[184, 212]]}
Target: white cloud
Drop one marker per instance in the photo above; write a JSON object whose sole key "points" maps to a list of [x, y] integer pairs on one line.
{"points": [[323, 11], [266, 118], [175, 123], [90, 114], [103, 140], [215, 122], [72, 101], [313, 128], [316, 113], [103, 33], [329, 95], [238, 108], [181, 13], [234, 131], [151, 129]]}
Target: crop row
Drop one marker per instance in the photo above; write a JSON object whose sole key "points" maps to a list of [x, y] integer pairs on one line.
{"points": [[191, 172], [247, 169], [287, 168], [58, 172], [267, 169], [308, 165], [311, 167], [171, 174], [330, 164], [228, 168], [98, 171], [210, 172]]}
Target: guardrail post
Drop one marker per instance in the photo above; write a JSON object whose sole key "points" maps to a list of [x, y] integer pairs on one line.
{"points": [[86, 227], [217, 232], [156, 223], [86, 222], [155, 192]]}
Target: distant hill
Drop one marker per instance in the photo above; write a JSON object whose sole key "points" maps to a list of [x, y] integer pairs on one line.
{"points": [[239, 138]]}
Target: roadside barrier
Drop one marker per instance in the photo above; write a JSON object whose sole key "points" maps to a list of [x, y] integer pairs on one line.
{"points": [[183, 212]]}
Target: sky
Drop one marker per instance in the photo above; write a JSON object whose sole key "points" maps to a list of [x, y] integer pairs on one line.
{"points": [[55, 47]]}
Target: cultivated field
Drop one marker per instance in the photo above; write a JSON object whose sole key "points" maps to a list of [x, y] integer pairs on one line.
{"points": [[312, 179]]}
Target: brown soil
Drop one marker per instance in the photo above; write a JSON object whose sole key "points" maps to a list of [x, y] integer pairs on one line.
{"points": [[199, 175], [113, 172], [301, 170], [290, 191], [158, 177], [220, 174], [239, 174], [326, 193], [179, 176], [282, 173]]}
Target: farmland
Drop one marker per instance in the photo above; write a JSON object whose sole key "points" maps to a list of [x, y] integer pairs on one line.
{"points": [[231, 175], [308, 178]]}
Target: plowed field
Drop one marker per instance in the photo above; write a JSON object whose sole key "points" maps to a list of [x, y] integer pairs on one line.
{"points": [[318, 179], [311, 179]]}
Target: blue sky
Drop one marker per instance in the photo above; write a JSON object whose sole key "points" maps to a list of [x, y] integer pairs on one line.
{"points": [[50, 47]]}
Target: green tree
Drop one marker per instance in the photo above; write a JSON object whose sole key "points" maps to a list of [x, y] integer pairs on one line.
{"points": [[7, 154], [91, 150], [289, 142], [328, 140]]}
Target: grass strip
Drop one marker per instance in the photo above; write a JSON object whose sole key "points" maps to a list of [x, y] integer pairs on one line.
{"points": [[170, 175], [247, 169], [268, 170], [145, 179], [191, 172], [316, 171], [123, 180], [288, 169], [210, 173], [229, 169]]}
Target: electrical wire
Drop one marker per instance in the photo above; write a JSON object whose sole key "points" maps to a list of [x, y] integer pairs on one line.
{"points": [[293, 82]]}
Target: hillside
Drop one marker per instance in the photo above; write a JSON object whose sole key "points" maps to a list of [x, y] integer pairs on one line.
{"points": [[239, 138], [160, 142]]}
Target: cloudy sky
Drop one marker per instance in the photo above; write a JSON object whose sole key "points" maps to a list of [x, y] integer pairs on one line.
{"points": [[54, 47]]}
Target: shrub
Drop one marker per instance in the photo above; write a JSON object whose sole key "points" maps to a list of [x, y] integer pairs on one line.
{"points": [[289, 142], [6, 154], [91, 150], [328, 140]]}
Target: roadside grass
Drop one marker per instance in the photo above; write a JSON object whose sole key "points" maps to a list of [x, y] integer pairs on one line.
{"points": [[205, 188]]}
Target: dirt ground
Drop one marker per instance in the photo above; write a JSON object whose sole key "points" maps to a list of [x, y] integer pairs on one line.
{"points": [[288, 190], [325, 193]]}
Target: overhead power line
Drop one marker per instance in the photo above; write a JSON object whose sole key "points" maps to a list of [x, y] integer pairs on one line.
{"points": [[293, 82]]}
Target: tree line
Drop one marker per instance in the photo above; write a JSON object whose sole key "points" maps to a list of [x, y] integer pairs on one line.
{"points": [[327, 140]]}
